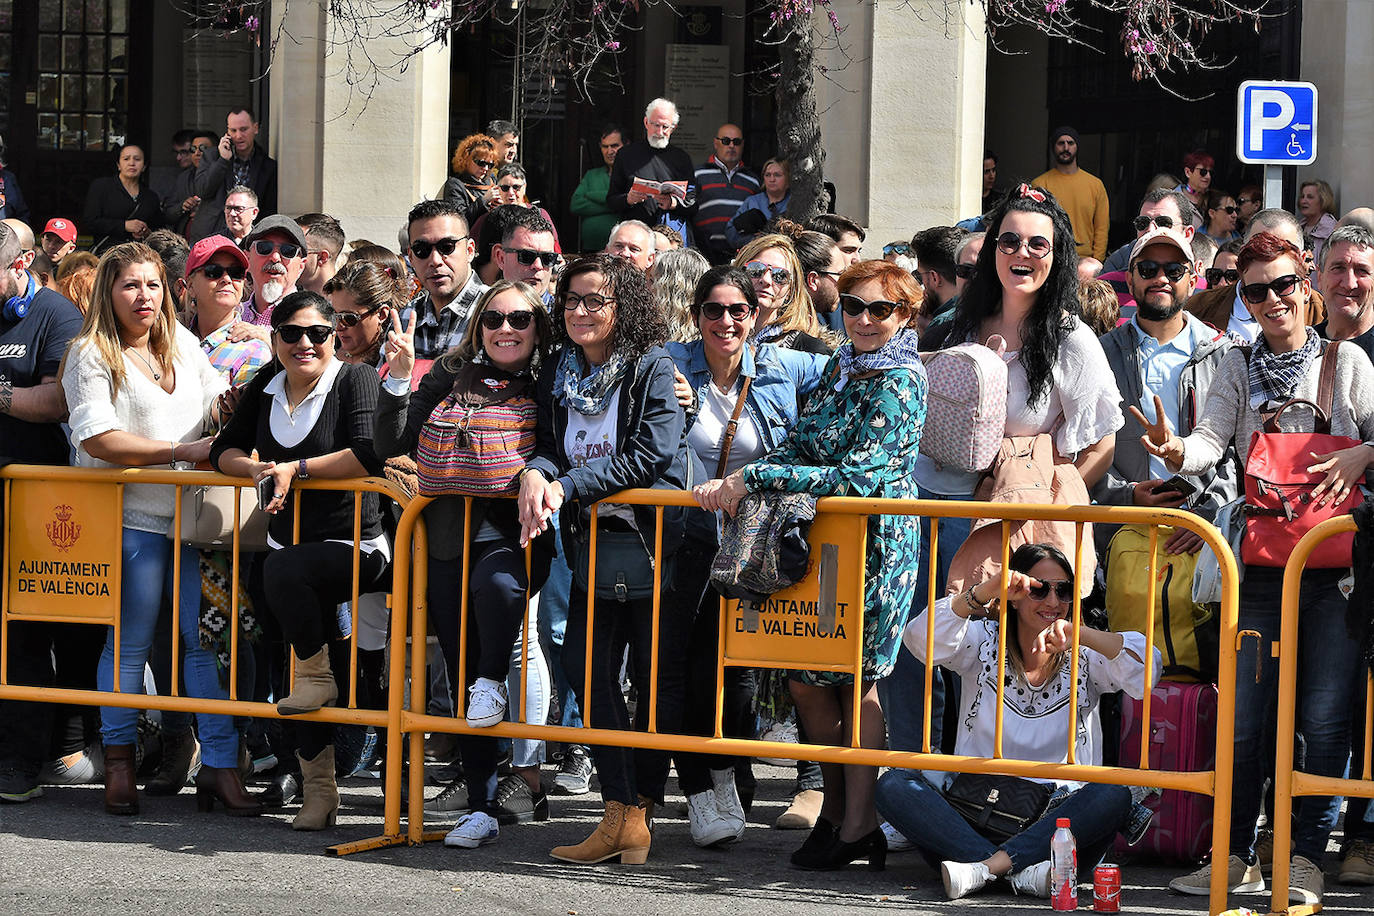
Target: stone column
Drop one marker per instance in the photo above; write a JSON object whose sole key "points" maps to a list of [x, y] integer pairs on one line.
{"points": [[1336, 57], [361, 144]]}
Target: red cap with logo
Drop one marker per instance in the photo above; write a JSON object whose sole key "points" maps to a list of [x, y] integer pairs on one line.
{"points": [[62, 228]]}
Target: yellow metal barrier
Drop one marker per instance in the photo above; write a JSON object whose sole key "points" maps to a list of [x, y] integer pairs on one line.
{"points": [[1216, 782], [1288, 782]]}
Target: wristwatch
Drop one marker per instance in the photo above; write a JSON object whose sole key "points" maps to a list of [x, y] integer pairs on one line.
{"points": [[302, 472]]}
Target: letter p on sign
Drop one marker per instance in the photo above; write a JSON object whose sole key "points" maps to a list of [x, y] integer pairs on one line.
{"points": [[1276, 123]]}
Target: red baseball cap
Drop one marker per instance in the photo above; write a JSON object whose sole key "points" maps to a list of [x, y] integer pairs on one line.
{"points": [[208, 247], [62, 228]]}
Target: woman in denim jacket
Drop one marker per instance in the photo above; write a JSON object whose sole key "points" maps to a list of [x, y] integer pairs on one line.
{"points": [[724, 309]]}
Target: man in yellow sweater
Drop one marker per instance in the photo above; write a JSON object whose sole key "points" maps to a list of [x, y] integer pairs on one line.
{"points": [[1081, 195]]}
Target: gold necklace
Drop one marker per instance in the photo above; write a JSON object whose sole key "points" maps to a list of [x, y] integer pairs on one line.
{"points": [[157, 376]]}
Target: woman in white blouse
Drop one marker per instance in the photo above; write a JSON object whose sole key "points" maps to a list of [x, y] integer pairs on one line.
{"points": [[1035, 722], [140, 391]]}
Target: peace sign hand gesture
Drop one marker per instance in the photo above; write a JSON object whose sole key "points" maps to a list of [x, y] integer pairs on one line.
{"points": [[1158, 440], [400, 348]]}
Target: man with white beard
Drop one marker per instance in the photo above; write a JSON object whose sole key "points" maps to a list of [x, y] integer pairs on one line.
{"points": [[276, 256], [652, 159]]}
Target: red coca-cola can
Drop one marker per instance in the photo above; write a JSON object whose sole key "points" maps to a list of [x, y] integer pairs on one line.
{"points": [[1107, 889]]}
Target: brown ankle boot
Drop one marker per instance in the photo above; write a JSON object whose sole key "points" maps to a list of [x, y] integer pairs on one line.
{"points": [[180, 755], [320, 809], [121, 789], [314, 686], [622, 832], [226, 784]]}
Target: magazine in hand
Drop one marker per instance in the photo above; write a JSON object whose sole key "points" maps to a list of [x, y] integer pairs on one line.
{"points": [[650, 188]]}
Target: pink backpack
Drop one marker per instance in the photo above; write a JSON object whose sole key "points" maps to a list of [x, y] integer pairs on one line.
{"points": [[966, 407]]}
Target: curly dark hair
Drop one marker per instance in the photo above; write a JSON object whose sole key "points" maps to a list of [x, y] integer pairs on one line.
{"points": [[639, 325], [1050, 319]]}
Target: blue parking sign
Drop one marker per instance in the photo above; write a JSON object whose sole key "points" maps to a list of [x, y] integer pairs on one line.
{"points": [[1276, 123]]}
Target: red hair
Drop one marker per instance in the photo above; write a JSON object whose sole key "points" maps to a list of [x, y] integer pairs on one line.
{"points": [[1198, 157], [1265, 247], [898, 285]]}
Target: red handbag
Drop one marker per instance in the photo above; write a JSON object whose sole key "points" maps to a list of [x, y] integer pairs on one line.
{"points": [[1278, 487]]}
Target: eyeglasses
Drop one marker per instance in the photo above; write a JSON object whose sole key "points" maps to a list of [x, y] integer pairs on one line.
{"points": [[353, 319], [730, 141], [518, 320], [1216, 275], [1255, 293], [1173, 270], [528, 256], [1143, 223], [291, 333], [1231, 210], [202, 147], [1203, 170], [833, 274], [853, 306], [236, 210], [182, 152], [1063, 590], [1037, 246], [446, 246], [215, 271], [289, 250], [592, 302], [965, 271], [712, 311], [484, 163], [1248, 200], [897, 248], [756, 270], [511, 188]]}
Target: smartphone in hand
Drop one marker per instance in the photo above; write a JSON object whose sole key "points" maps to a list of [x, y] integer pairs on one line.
{"points": [[267, 491], [1177, 484]]}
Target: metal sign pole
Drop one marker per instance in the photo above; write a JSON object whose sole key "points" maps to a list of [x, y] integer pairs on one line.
{"points": [[1273, 186]]}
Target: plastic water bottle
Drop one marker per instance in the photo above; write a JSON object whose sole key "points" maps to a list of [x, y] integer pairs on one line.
{"points": [[1063, 868]]}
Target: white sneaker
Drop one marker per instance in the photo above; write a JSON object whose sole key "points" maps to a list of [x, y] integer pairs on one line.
{"points": [[783, 733], [473, 830], [963, 878], [727, 800], [1033, 880], [486, 703], [708, 826], [1240, 879], [896, 842], [1305, 881]]}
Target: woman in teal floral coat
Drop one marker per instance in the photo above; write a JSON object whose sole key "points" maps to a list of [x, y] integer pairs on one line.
{"points": [[858, 437]]}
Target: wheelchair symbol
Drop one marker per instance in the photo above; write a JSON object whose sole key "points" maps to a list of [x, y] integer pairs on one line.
{"points": [[1294, 147]]}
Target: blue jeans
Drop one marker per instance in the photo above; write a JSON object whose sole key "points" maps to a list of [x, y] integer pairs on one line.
{"points": [[146, 580], [553, 623], [1328, 684], [901, 692], [919, 810]]}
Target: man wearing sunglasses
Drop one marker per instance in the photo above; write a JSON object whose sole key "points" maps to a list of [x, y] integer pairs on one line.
{"points": [[1162, 208], [526, 252], [440, 252], [1082, 195], [276, 256], [723, 182], [1167, 353]]}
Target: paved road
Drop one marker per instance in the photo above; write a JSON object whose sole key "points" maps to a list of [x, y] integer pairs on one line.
{"points": [[62, 854]]}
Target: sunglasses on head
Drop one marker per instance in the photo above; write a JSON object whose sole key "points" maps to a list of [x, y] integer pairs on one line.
{"points": [[291, 333], [288, 250], [1063, 590], [1255, 293], [1037, 246], [965, 271], [853, 306], [896, 249], [1216, 276], [518, 320], [712, 311], [353, 319], [445, 247], [528, 256], [1173, 270], [215, 271], [592, 302], [1143, 223], [756, 270], [730, 141]]}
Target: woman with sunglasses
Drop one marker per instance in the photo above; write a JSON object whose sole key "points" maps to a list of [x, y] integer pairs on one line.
{"points": [[745, 400], [1222, 217], [470, 185], [757, 210], [502, 350], [786, 317], [140, 394], [609, 420], [1035, 722], [307, 415], [1283, 364], [365, 295], [858, 436]]}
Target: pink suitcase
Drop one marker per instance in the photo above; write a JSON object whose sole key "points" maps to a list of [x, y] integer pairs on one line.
{"points": [[1183, 733]]}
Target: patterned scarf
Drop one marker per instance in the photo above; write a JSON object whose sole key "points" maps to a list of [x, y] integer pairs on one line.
{"points": [[768, 333], [588, 395], [1273, 376], [898, 353]]}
